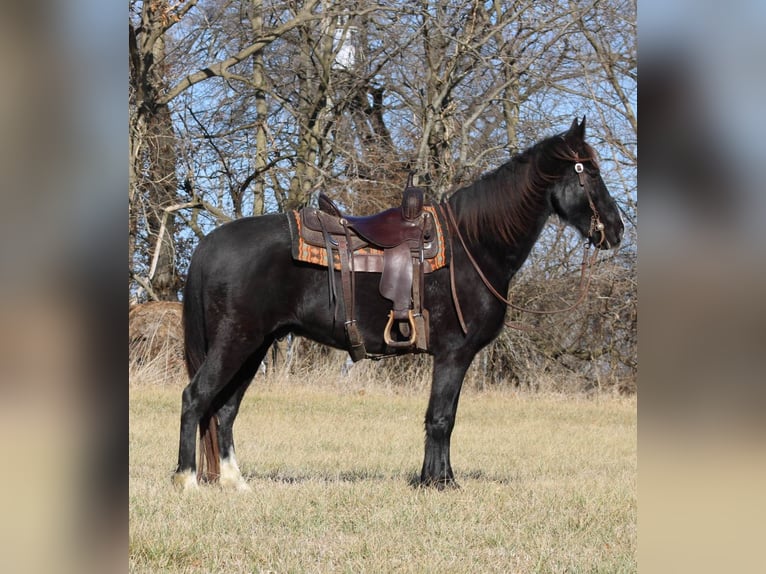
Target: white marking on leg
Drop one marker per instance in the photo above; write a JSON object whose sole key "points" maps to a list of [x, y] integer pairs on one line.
{"points": [[185, 481], [231, 476]]}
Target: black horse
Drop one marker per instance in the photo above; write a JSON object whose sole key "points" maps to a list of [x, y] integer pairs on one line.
{"points": [[244, 290]]}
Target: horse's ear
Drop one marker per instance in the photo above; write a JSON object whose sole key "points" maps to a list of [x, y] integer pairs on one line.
{"points": [[577, 130], [573, 127]]}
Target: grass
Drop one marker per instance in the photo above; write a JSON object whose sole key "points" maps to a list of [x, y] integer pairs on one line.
{"points": [[548, 485]]}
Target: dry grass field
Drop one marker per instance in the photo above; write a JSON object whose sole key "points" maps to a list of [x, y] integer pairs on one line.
{"points": [[548, 485]]}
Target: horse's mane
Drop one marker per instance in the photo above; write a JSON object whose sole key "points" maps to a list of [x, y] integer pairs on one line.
{"points": [[507, 202]]}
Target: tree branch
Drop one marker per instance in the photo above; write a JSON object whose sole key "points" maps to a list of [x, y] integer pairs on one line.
{"points": [[219, 68]]}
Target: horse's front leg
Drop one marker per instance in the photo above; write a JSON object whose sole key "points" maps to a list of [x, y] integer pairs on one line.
{"points": [[447, 381]]}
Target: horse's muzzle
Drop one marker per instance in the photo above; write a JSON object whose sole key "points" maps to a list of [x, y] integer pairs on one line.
{"points": [[606, 237]]}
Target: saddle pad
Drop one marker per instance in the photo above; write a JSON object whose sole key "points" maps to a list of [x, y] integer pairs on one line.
{"points": [[302, 251]]}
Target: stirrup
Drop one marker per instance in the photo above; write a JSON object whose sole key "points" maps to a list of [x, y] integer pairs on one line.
{"points": [[400, 344]]}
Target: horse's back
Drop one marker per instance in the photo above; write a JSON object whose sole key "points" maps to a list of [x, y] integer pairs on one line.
{"points": [[242, 241]]}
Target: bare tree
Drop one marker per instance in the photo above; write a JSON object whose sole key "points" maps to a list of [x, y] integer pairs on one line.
{"points": [[153, 193], [269, 101]]}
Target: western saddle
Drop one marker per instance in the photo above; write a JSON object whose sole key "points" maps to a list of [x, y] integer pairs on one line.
{"points": [[396, 243]]}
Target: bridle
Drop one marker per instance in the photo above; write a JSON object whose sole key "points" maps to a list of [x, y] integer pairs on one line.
{"points": [[585, 267], [595, 219]]}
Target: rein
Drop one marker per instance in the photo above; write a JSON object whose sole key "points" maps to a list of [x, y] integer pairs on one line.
{"points": [[585, 267]]}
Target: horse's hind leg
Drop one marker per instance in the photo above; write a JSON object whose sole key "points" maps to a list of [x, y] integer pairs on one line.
{"points": [[231, 476], [220, 366]]}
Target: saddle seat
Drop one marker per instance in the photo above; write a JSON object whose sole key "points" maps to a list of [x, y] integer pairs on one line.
{"points": [[386, 229]]}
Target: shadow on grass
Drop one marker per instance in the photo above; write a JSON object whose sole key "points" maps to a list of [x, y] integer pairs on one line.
{"points": [[363, 475], [477, 475], [482, 476], [297, 477]]}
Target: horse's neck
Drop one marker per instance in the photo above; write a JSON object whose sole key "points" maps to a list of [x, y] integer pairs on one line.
{"points": [[501, 259]]}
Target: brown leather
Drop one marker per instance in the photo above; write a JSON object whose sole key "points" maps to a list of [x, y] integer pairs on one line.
{"points": [[356, 348], [315, 222], [412, 203], [374, 262], [328, 205], [387, 228], [368, 262], [396, 281]]}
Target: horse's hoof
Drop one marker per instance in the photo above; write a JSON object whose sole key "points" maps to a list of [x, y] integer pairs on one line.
{"points": [[439, 484], [447, 484], [185, 481], [231, 477], [235, 484]]}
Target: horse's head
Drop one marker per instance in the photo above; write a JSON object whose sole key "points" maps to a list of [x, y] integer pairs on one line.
{"points": [[580, 196]]}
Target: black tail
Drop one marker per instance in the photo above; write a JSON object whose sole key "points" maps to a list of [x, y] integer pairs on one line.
{"points": [[195, 341], [195, 351]]}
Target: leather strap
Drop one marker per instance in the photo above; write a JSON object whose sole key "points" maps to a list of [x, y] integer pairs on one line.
{"points": [[328, 243], [356, 349], [450, 223]]}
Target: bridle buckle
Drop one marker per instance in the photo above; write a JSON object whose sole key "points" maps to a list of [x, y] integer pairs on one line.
{"points": [[580, 171]]}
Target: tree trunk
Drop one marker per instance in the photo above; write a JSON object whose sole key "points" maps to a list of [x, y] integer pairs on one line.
{"points": [[314, 73], [153, 155], [162, 192], [261, 110]]}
